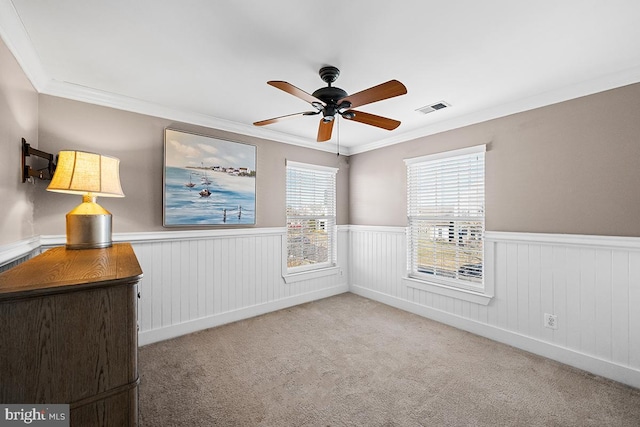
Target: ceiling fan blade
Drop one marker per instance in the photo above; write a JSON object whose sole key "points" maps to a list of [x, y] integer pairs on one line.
{"points": [[376, 93], [289, 88], [371, 119], [281, 118], [324, 130]]}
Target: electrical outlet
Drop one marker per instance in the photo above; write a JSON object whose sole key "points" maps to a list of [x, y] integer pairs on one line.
{"points": [[550, 321]]}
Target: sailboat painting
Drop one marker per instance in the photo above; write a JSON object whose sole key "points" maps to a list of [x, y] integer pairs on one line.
{"points": [[190, 184], [208, 181]]}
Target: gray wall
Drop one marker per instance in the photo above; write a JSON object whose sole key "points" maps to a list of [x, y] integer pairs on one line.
{"points": [[18, 119], [138, 141], [569, 168]]}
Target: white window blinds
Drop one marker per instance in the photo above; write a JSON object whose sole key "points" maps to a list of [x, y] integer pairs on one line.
{"points": [[311, 216], [446, 217]]}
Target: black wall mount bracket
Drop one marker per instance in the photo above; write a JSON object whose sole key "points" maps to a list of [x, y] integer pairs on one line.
{"points": [[28, 172]]}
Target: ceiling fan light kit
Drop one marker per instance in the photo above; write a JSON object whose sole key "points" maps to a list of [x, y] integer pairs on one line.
{"points": [[331, 100]]}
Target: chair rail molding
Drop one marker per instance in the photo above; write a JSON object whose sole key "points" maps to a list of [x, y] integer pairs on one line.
{"points": [[17, 250]]}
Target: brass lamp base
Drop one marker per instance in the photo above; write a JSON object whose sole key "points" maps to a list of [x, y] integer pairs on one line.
{"points": [[88, 226]]}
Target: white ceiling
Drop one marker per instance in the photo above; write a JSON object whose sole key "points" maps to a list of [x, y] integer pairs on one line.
{"points": [[207, 62]]}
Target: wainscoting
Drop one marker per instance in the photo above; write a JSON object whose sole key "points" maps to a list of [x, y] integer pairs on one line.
{"points": [[196, 282], [199, 279], [591, 283]]}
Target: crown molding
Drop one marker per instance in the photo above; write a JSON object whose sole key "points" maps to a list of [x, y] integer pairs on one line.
{"points": [[98, 97], [561, 94], [121, 102], [15, 36]]}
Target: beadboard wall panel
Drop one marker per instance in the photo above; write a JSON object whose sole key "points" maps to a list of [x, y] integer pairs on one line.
{"points": [[196, 282], [592, 285], [198, 279]]}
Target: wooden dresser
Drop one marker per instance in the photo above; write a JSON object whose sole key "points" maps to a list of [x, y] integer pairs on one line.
{"points": [[69, 334]]}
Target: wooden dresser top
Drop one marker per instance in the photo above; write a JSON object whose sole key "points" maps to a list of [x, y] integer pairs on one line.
{"points": [[62, 270]]}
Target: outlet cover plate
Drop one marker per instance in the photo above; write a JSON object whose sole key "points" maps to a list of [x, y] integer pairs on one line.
{"points": [[550, 321]]}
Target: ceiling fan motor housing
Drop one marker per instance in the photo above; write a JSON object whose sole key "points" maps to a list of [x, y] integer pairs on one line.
{"points": [[330, 96]]}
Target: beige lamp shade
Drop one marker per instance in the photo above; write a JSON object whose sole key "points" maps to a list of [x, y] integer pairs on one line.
{"points": [[90, 175], [79, 172]]}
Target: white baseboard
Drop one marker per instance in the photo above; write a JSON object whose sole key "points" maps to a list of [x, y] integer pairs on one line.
{"points": [[173, 331], [594, 365]]}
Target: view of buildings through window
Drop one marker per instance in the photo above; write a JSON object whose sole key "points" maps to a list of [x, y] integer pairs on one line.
{"points": [[311, 216], [446, 217]]}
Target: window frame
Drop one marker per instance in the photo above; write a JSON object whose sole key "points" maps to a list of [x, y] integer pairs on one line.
{"points": [[458, 288], [329, 267]]}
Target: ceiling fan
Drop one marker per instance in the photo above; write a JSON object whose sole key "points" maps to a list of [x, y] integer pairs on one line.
{"points": [[332, 100]]}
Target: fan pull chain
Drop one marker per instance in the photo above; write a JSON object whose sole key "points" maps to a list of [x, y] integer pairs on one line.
{"points": [[338, 150]]}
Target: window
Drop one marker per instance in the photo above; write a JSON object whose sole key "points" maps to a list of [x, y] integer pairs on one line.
{"points": [[446, 218], [311, 217]]}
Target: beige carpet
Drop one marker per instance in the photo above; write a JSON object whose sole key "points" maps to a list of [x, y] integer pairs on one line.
{"points": [[350, 361]]}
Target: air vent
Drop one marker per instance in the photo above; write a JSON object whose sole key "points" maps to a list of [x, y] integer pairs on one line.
{"points": [[433, 107]]}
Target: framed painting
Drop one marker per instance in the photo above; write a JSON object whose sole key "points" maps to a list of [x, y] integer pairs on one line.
{"points": [[208, 181]]}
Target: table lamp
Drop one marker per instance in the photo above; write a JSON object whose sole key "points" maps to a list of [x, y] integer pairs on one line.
{"points": [[90, 175]]}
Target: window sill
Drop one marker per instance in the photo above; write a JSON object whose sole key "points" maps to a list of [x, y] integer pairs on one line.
{"points": [[436, 288], [311, 274]]}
